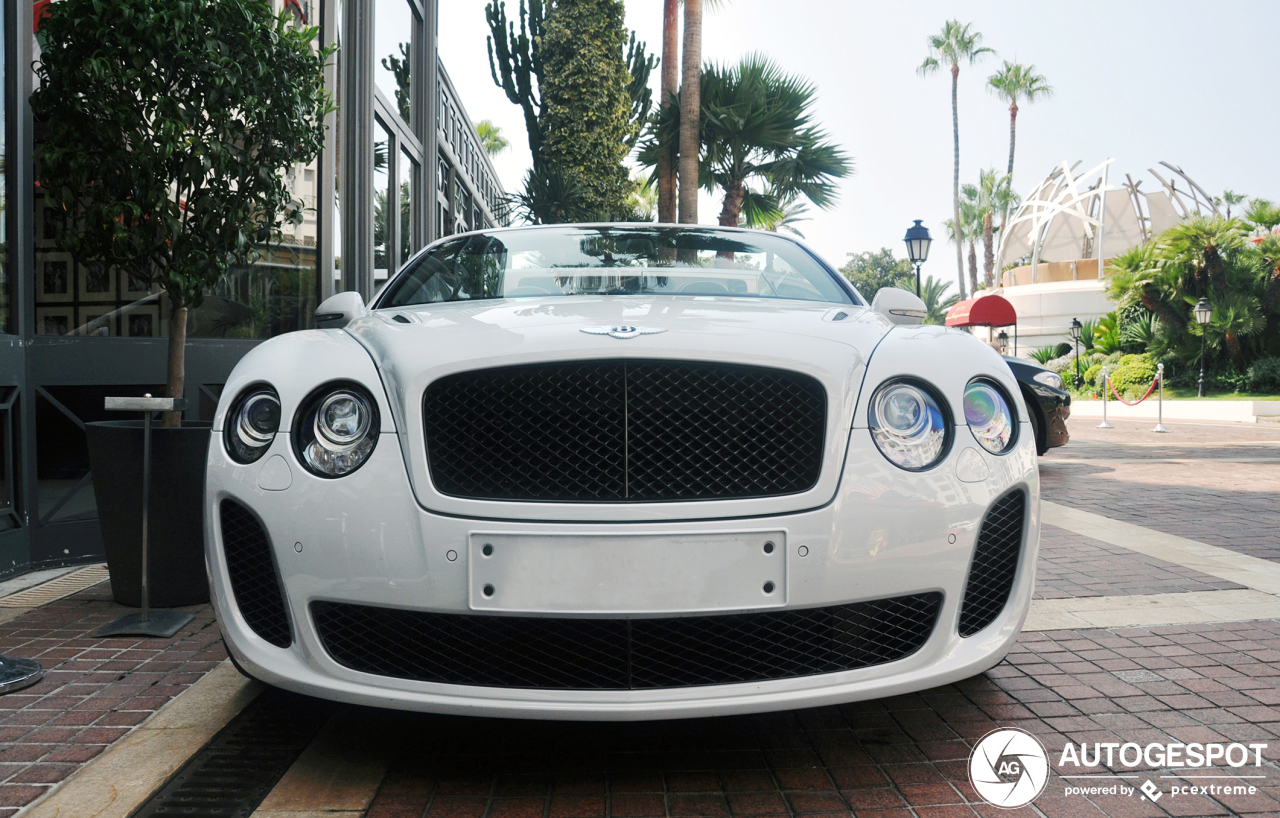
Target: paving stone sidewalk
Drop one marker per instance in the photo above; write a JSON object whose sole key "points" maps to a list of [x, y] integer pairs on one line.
{"points": [[94, 690], [894, 757], [1214, 484]]}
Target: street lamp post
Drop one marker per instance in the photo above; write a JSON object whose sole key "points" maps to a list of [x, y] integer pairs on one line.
{"points": [[918, 242], [1076, 326], [1204, 314], [1002, 340]]}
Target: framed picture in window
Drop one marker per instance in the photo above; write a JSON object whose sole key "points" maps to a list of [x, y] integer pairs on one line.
{"points": [[55, 320], [140, 321], [96, 283], [55, 277]]}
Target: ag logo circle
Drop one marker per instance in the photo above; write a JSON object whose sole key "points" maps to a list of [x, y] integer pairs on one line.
{"points": [[1009, 768]]}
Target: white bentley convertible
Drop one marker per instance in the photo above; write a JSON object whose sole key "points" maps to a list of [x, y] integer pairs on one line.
{"points": [[620, 472]]}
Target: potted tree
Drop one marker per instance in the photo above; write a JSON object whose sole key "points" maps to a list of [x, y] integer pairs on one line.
{"points": [[167, 130]]}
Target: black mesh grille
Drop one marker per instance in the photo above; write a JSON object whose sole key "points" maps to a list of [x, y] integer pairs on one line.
{"points": [[508, 651], [252, 569], [633, 431], [995, 561]]}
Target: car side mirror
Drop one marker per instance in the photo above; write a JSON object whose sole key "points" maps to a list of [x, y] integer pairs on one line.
{"points": [[900, 306], [340, 309]]}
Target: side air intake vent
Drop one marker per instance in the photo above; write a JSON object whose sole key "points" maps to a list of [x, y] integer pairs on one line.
{"points": [[995, 562], [254, 581]]}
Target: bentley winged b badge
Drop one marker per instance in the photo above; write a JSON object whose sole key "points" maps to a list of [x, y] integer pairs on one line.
{"points": [[623, 332]]}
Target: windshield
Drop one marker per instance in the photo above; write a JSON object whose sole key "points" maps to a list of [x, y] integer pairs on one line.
{"points": [[614, 260]]}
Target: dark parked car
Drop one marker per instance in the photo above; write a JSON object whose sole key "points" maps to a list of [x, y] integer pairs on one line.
{"points": [[1047, 402]]}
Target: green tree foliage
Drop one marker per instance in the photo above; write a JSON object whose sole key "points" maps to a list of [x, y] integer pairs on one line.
{"points": [[1229, 199], [491, 138], [583, 87], [1014, 82], [1262, 215], [956, 43], [1156, 285], [870, 272], [169, 128], [586, 110], [791, 211], [760, 146]]}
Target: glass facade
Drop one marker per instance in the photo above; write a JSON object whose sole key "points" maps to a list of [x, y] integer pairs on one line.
{"points": [[6, 281], [276, 293], [78, 333]]}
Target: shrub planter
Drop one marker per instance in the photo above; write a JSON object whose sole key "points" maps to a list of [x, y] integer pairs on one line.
{"points": [[176, 531]]}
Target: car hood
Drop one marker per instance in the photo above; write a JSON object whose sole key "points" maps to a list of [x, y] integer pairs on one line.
{"points": [[413, 346]]}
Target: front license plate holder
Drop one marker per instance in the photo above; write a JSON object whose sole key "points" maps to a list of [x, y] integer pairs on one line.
{"points": [[614, 574]]}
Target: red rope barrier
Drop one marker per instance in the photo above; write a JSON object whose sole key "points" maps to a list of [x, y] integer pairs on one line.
{"points": [[1150, 389]]}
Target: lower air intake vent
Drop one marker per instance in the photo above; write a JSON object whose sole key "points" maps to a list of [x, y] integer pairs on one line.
{"points": [[995, 561], [254, 582], [620, 654]]}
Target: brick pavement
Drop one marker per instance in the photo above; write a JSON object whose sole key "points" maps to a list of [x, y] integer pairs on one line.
{"points": [[94, 692], [901, 756], [1190, 483], [1074, 566]]}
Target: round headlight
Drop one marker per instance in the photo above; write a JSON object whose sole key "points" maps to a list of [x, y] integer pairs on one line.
{"points": [[252, 423], [909, 424], [336, 429], [987, 412]]}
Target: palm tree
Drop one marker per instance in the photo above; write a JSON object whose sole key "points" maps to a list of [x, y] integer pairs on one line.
{"points": [[1196, 246], [992, 194], [1011, 83], [970, 227], [790, 212], [1263, 215], [1229, 198], [1268, 251], [491, 138], [1137, 277], [757, 126], [936, 301], [690, 105], [666, 98], [954, 44]]}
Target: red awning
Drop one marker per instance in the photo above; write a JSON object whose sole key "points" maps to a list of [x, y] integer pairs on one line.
{"points": [[988, 311]]}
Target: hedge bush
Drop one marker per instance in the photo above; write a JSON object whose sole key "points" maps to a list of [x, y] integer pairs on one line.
{"points": [[1264, 375], [1132, 375]]}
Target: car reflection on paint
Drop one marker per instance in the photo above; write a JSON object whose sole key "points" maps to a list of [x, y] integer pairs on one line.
{"points": [[1048, 404]]}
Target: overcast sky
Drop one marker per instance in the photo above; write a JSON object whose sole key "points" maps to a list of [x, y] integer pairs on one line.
{"points": [[1191, 83]]}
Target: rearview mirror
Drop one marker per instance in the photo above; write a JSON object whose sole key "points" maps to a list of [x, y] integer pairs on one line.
{"points": [[340, 309], [900, 306]]}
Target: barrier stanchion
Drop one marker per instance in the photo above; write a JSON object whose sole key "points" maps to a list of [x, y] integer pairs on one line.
{"points": [[1106, 388], [1160, 401]]}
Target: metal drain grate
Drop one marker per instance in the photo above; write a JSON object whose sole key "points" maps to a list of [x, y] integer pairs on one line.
{"points": [[56, 589], [235, 771]]}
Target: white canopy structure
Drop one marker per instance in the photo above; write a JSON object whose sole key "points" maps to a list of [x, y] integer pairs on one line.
{"points": [[1064, 218]]}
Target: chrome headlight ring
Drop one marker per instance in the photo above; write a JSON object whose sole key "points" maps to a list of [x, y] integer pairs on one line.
{"points": [[910, 423], [336, 429], [251, 423], [989, 414]]}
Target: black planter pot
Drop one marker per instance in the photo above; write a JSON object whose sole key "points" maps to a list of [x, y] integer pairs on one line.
{"points": [[176, 530]]}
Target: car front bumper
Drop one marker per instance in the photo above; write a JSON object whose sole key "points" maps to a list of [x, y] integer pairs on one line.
{"points": [[364, 540]]}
